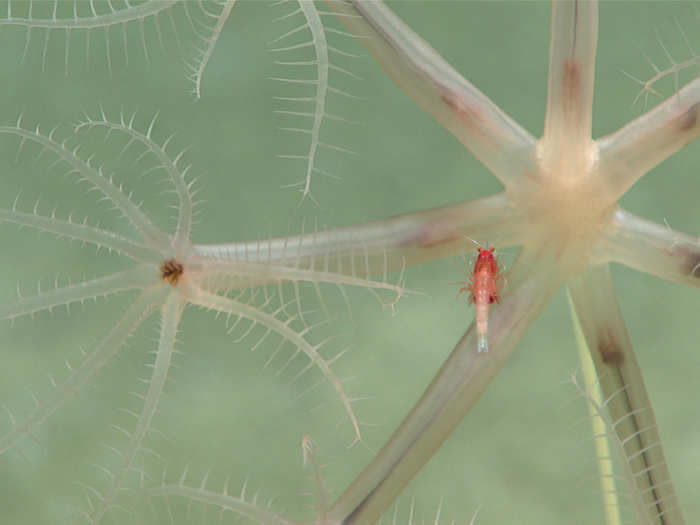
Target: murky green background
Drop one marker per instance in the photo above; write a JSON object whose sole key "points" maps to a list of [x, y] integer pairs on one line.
{"points": [[523, 455]]}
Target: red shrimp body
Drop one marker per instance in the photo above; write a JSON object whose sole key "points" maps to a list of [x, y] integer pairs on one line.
{"points": [[484, 292]]}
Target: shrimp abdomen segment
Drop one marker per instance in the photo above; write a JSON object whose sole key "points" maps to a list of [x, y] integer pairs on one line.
{"points": [[482, 325]]}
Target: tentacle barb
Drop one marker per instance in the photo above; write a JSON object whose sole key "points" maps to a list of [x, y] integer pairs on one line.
{"points": [[140, 309], [170, 166], [171, 313], [136, 278], [622, 384], [272, 323], [96, 178]]}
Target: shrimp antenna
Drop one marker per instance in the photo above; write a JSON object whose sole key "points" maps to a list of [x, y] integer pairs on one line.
{"points": [[470, 239]]}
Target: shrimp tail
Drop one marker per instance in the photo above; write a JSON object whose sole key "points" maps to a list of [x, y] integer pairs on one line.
{"points": [[482, 326], [482, 343]]}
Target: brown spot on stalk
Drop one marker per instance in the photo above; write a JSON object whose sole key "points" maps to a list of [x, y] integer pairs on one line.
{"points": [[689, 119], [610, 352], [694, 264], [171, 271], [432, 235], [467, 113], [571, 86], [690, 259]]}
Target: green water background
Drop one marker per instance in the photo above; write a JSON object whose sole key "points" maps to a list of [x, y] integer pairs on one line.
{"points": [[523, 455]]}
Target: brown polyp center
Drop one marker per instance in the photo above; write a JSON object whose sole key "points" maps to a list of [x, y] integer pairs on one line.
{"points": [[171, 271]]}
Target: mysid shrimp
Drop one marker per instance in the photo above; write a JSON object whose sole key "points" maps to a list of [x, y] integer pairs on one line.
{"points": [[483, 291]]}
